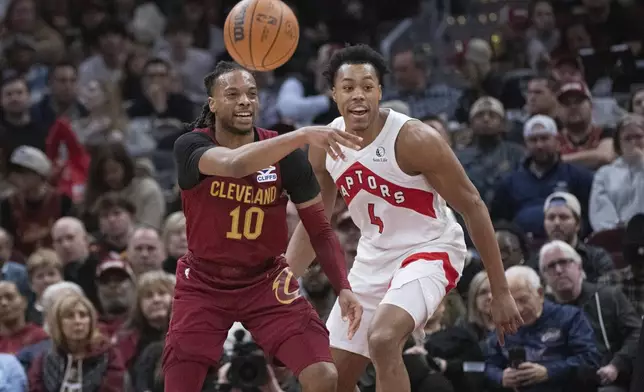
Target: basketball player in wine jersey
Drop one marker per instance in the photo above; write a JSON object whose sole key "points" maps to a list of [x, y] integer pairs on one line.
{"points": [[411, 250], [234, 181]]}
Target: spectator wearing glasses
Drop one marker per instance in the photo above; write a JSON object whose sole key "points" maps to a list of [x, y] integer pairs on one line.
{"points": [[613, 318]]}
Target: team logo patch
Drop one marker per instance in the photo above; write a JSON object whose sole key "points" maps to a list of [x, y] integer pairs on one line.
{"points": [[380, 155], [285, 287], [267, 175]]}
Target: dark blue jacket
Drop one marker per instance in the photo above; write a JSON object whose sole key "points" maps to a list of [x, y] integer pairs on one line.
{"points": [[520, 195], [561, 340]]}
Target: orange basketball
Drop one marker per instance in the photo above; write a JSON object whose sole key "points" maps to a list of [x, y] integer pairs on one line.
{"points": [[261, 35]]}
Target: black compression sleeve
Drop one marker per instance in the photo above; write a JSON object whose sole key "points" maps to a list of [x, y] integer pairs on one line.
{"points": [[188, 149]]}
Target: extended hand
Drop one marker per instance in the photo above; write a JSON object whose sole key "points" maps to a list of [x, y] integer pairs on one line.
{"points": [[351, 310], [330, 139], [531, 373], [607, 374], [505, 315]]}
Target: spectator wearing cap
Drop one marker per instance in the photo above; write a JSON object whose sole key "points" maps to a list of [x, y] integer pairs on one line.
{"points": [[482, 80], [489, 157], [32, 209], [611, 315], [581, 141], [618, 190], [520, 195], [20, 52], [413, 85], [18, 127], [107, 65], [24, 17], [606, 109], [563, 221], [116, 286], [631, 278]]}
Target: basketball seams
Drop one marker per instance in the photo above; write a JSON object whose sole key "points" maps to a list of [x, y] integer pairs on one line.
{"points": [[277, 35], [290, 51], [250, 34]]}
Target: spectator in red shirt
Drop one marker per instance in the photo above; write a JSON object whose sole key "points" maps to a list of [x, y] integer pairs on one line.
{"points": [[15, 331], [582, 142]]}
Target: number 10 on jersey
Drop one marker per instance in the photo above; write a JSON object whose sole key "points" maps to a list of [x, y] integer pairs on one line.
{"points": [[246, 229]]}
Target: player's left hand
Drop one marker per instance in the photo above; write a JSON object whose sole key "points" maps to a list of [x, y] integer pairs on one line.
{"points": [[351, 310], [505, 315]]}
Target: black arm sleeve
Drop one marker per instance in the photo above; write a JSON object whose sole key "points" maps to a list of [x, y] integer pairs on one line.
{"points": [[188, 149], [298, 178]]}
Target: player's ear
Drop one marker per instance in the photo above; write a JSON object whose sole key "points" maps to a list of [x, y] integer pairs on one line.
{"points": [[333, 94], [380, 92], [212, 104]]}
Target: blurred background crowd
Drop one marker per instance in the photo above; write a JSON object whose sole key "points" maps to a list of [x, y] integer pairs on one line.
{"points": [[540, 101]]}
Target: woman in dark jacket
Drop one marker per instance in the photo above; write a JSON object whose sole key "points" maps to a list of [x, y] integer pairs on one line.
{"points": [[81, 359]]}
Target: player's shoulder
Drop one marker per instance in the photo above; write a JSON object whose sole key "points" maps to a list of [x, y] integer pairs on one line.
{"points": [[416, 133], [191, 141], [195, 136]]}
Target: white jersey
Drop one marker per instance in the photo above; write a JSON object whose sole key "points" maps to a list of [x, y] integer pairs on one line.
{"points": [[395, 212]]}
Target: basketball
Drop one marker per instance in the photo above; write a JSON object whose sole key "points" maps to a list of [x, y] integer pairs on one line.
{"points": [[261, 35]]}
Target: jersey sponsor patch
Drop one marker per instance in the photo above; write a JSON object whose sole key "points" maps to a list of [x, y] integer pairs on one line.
{"points": [[267, 175]]}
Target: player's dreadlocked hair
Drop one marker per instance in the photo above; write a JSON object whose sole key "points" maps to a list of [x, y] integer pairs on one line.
{"points": [[206, 118], [356, 54]]}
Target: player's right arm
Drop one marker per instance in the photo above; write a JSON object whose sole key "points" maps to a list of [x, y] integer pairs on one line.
{"points": [[213, 160], [300, 253]]}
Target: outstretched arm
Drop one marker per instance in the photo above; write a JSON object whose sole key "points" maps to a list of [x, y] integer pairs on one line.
{"points": [[443, 171], [300, 253], [239, 162]]}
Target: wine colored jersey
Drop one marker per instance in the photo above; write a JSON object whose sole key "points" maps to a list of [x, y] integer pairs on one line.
{"points": [[239, 222]]}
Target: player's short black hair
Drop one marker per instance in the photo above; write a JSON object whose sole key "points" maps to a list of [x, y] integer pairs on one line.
{"points": [[205, 119], [355, 54]]}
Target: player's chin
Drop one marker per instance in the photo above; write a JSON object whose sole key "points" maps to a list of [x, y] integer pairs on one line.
{"points": [[242, 126]]}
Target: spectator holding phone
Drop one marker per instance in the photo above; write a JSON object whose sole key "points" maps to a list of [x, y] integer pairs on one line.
{"points": [[557, 341]]}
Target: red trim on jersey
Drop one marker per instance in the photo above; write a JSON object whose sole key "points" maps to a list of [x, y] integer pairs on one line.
{"points": [[359, 176], [450, 273]]}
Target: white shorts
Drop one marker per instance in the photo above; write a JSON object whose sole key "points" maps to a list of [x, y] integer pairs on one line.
{"points": [[418, 287]]}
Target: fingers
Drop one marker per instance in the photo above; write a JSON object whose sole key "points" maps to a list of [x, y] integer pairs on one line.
{"points": [[347, 139], [335, 147], [500, 337], [331, 153]]}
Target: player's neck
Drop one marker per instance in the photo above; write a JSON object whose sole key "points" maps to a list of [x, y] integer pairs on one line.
{"points": [[232, 139], [371, 133]]}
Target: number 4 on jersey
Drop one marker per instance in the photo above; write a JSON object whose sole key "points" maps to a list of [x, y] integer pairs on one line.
{"points": [[375, 220]]}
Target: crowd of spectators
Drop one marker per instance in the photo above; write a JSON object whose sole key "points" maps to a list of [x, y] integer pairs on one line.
{"points": [[540, 102]]}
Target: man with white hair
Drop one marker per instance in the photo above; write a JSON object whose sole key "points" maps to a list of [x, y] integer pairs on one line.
{"points": [[519, 197], [613, 318], [547, 351]]}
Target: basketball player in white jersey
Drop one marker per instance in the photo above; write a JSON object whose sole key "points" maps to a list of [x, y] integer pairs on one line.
{"points": [[411, 250]]}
